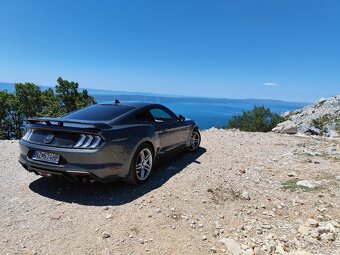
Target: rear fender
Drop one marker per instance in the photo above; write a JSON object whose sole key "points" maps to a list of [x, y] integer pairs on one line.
{"points": [[131, 137]]}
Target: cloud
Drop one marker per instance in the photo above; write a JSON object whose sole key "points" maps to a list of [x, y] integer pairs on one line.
{"points": [[271, 84]]}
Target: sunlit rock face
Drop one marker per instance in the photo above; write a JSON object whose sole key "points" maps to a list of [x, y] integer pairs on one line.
{"points": [[321, 118]]}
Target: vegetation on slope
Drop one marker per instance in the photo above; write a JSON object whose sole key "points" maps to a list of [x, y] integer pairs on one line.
{"points": [[259, 119]]}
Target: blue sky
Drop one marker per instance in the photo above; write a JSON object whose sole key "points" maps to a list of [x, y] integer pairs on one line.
{"points": [[277, 49]]}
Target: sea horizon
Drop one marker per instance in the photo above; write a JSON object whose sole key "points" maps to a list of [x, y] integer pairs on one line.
{"points": [[9, 86]]}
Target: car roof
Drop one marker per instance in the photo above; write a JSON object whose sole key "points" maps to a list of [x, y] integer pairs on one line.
{"points": [[130, 103], [109, 112]]}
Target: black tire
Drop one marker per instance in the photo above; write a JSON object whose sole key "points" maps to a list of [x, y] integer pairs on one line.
{"points": [[134, 176], [195, 141]]}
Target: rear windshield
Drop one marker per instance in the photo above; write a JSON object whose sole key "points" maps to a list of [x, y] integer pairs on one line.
{"points": [[99, 112]]}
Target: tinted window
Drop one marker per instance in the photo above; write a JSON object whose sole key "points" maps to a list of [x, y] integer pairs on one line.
{"points": [[145, 116], [160, 115], [99, 112]]}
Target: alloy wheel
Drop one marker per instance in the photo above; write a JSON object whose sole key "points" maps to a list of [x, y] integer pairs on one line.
{"points": [[195, 140], [144, 164]]}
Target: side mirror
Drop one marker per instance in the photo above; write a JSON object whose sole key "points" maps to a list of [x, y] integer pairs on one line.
{"points": [[181, 118]]}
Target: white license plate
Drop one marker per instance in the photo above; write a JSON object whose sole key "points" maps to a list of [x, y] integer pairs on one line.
{"points": [[46, 157]]}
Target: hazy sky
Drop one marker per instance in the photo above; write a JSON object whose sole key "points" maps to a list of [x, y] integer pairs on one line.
{"points": [[277, 49]]}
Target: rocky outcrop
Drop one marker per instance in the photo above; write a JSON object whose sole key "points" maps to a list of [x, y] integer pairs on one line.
{"points": [[321, 118], [287, 127]]}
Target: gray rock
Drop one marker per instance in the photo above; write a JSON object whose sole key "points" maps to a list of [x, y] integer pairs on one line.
{"points": [[312, 223], [333, 134], [309, 183], [326, 228], [292, 174], [304, 231], [327, 237], [109, 216], [315, 233], [286, 114], [314, 130], [266, 226], [245, 195], [232, 246], [269, 247], [105, 235], [287, 127], [335, 224]]}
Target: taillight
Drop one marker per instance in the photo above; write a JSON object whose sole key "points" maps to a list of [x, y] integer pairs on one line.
{"points": [[27, 135], [87, 141]]}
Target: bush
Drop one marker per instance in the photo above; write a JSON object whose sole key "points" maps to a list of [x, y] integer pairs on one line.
{"points": [[259, 119]]}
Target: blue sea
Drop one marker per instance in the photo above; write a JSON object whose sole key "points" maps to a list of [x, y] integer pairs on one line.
{"points": [[209, 115], [207, 112]]}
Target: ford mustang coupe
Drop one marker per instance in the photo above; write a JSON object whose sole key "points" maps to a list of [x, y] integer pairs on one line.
{"points": [[105, 142]]}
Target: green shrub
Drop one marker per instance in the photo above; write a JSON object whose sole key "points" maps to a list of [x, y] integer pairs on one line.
{"points": [[259, 119]]}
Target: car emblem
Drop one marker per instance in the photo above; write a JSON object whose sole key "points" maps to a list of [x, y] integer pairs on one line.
{"points": [[49, 138]]}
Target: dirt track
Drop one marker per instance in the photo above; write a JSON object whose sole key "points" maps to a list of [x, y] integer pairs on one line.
{"points": [[226, 198]]}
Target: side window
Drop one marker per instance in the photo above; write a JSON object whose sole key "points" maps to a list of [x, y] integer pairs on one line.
{"points": [[160, 115], [145, 116]]}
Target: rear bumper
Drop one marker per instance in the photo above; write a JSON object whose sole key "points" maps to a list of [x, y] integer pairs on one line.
{"points": [[106, 164]]}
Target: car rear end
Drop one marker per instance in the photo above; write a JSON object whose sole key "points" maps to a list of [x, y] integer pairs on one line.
{"points": [[74, 150]]}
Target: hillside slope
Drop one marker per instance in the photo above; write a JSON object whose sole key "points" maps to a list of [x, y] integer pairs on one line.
{"points": [[320, 118], [241, 193]]}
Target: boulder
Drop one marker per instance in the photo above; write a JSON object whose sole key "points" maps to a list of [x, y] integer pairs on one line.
{"points": [[287, 127], [314, 130]]}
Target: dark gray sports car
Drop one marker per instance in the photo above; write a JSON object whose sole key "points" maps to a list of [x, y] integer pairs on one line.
{"points": [[106, 141]]}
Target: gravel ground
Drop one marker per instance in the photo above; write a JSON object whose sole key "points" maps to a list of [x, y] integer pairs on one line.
{"points": [[238, 194]]}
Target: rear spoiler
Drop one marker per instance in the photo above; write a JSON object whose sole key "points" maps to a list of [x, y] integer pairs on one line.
{"points": [[61, 122]]}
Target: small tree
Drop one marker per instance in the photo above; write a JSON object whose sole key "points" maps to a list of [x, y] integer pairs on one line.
{"points": [[84, 99], [69, 97], [28, 97], [259, 119], [50, 104], [10, 116], [4, 114]]}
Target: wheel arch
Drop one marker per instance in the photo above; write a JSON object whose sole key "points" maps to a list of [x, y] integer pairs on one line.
{"points": [[150, 144], [140, 143]]}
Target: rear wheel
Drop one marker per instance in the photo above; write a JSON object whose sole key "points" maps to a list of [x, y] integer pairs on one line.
{"points": [[141, 165], [195, 140]]}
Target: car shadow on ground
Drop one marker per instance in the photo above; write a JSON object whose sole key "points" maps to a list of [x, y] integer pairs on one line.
{"points": [[116, 193]]}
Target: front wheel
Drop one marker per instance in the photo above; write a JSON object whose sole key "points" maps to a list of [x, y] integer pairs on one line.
{"points": [[141, 165], [195, 140]]}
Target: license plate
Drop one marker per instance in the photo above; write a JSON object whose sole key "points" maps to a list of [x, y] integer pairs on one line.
{"points": [[46, 157]]}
